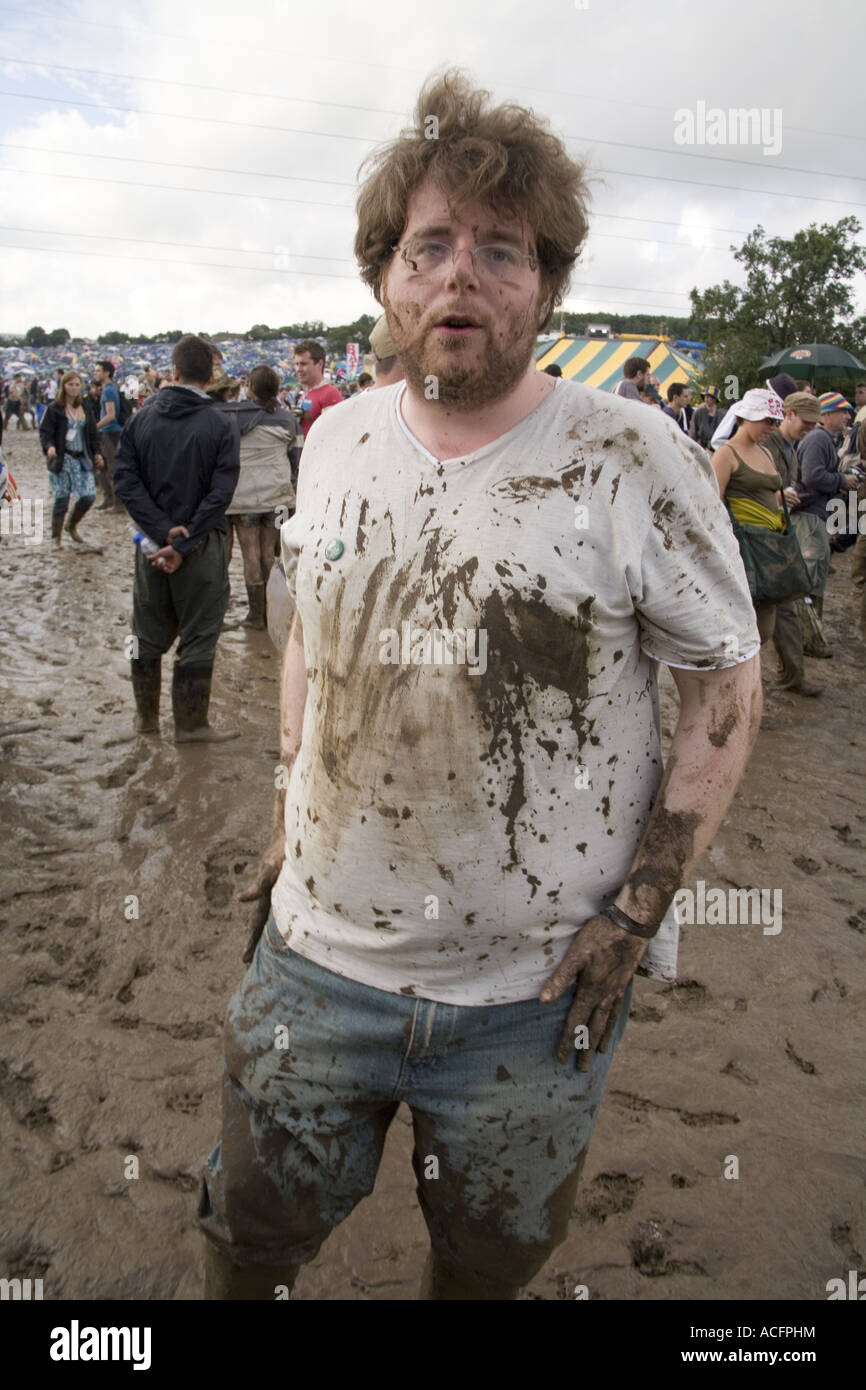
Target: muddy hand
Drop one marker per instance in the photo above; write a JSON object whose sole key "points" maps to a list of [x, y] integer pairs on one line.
{"points": [[602, 959], [260, 893]]}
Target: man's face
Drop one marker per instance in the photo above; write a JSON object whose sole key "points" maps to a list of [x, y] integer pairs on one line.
{"points": [[860, 396], [98, 375], [473, 331], [641, 380], [681, 401], [835, 420], [710, 403], [797, 426], [309, 372]]}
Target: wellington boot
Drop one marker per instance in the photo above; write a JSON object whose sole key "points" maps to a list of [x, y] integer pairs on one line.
{"points": [[79, 511], [256, 616], [224, 1280], [190, 698], [57, 532], [106, 487], [146, 681]]}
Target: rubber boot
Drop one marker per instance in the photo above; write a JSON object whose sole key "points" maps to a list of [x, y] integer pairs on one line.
{"points": [[256, 598], [190, 697], [106, 487], [226, 1281], [79, 511], [57, 530], [146, 682], [788, 641], [819, 609]]}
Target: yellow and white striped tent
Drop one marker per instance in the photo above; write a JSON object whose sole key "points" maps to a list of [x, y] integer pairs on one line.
{"points": [[599, 361]]}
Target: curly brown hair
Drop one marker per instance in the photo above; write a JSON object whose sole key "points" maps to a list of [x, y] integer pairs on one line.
{"points": [[505, 156]]}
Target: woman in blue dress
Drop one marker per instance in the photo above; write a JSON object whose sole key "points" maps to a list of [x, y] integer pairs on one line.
{"points": [[70, 443]]}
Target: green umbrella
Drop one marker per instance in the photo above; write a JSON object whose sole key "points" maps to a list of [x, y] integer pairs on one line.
{"points": [[814, 362]]}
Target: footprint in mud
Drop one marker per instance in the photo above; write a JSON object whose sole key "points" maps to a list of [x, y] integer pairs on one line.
{"points": [[841, 1236], [808, 866], [695, 1119], [217, 888], [645, 1012], [118, 776], [650, 1247], [17, 1087], [736, 1069], [807, 1067], [832, 992], [689, 993], [608, 1194], [184, 1102], [141, 969], [86, 973]]}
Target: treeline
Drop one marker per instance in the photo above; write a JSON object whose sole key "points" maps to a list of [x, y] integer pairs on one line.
{"points": [[335, 338], [650, 325]]}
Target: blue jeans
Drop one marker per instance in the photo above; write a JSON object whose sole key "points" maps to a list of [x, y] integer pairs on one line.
{"points": [[315, 1066]]}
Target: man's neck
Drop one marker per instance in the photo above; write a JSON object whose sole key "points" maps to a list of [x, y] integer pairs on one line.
{"points": [[784, 429], [449, 430], [317, 385]]}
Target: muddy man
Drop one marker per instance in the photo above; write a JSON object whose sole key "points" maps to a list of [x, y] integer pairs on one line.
{"points": [[469, 865]]}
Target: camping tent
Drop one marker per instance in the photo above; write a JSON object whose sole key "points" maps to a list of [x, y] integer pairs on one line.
{"points": [[599, 361]]}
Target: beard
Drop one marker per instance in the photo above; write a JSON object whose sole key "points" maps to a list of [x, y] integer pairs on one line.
{"points": [[466, 377]]}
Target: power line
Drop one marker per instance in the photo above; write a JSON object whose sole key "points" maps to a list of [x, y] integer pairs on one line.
{"points": [[172, 188], [322, 58], [733, 188], [198, 86], [182, 116], [159, 260], [718, 158], [668, 222], [169, 164], [360, 139], [622, 173], [182, 245]]}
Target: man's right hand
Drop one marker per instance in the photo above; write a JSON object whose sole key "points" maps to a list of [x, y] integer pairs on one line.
{"points": [[260, 893]]}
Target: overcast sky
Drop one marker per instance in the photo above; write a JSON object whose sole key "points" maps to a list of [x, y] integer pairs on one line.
{"points": [[279, 102]]}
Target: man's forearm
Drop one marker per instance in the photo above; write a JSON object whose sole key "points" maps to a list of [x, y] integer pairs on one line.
{"points": [[293, 697], [720, 715]]}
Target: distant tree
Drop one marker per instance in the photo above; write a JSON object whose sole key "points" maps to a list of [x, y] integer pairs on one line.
{"points": [[58, 337], [797, 290], [35, 337]]}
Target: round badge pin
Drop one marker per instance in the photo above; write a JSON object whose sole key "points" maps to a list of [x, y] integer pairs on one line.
{"points": [[334, 549]]}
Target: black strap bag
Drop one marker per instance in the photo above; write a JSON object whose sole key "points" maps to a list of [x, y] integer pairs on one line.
{"points": [[773, 561]]}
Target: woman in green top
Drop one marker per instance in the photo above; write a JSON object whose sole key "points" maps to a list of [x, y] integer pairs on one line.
{"points": [[748, 480]]}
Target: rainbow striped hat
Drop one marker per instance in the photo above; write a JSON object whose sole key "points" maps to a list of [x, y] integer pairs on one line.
{"points": [[831, 400]]}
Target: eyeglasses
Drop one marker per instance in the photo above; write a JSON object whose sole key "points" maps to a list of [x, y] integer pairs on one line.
{"points": [[498, 260]]}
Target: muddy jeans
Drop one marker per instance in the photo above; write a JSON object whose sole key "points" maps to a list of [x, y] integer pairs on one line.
{"points": [[315, 1066]]}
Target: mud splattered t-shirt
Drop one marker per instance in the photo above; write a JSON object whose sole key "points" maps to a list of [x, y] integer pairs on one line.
{"points": [[450, 824]]}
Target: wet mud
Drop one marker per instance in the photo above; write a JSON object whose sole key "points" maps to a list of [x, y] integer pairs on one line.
{"points": [[121, 933]]}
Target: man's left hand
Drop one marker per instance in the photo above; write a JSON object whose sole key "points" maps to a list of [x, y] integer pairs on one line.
{"points": [[602, 959], [167, 559]]}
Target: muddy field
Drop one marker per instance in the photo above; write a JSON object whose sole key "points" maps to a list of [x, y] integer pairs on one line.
{"points": [[110, 1026]]}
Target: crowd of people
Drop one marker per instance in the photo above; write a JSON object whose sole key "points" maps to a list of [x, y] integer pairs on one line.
{"points": [[785, 458]]}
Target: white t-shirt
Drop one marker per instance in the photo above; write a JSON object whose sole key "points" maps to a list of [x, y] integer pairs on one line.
{"points": [[450, 825]]}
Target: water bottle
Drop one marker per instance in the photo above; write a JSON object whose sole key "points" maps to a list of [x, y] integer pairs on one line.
{"points": [[148, 547]]}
